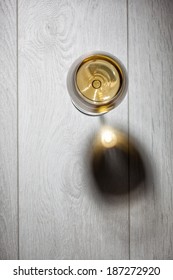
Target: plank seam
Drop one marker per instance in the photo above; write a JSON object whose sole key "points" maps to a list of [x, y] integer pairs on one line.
{"points": [[127, 7], [17, 94]]}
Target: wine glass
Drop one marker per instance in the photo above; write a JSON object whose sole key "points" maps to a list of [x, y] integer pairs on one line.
{"points": [[97, 83]]}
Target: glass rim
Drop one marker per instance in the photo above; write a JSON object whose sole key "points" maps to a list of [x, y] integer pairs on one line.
{"points": [[95, 108]]}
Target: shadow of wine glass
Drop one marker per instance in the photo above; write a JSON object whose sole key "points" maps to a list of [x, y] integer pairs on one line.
{"points": [[118, 164]]}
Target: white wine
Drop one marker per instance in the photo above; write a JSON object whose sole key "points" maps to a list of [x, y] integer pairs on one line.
{"points": [[96, 83]]}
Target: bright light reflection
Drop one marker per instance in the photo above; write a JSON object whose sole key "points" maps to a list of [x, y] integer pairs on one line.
{"points": [[108, 137]]}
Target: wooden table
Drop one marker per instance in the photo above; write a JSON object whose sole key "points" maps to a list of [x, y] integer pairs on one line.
{"points": [[50, 206]]}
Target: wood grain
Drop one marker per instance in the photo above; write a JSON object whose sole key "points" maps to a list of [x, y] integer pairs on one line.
{"points": [[8, 132], [151, 114], [62, 214]]}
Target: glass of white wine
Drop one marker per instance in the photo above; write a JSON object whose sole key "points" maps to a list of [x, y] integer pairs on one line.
{"points": [[97, 83]]}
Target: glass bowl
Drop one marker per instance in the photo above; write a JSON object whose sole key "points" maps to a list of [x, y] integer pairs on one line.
{"points": [[97, 83]]}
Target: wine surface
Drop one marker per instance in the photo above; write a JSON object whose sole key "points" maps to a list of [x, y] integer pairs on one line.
{"points": [[98, 79]]}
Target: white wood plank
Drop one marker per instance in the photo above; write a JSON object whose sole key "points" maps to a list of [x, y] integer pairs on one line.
{"points": [[151, 114], [8, 132], [62, 214]]}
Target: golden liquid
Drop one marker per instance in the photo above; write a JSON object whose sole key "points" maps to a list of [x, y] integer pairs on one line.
{"points": [[98, 79]]}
